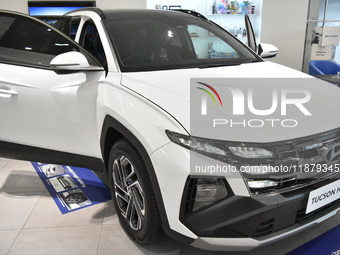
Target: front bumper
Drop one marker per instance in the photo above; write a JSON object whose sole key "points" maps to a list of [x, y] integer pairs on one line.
{"points": [[240, 221], [246, 244], [244, 223]]}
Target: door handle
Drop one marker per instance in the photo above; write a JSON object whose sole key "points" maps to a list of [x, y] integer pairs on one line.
{"points": [[7, 93]]}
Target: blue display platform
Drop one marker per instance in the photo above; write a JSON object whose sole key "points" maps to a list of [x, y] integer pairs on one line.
{"points": [[72, 188], [326, 244]]}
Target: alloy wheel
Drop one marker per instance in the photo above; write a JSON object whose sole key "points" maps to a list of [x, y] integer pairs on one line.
{"points": [[128, 192]]}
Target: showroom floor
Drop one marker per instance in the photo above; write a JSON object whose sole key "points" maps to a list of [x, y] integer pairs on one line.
{"points": [[31, 223]]}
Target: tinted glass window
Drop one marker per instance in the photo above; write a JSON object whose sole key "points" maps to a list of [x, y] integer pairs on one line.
{"points": [[92, 43], [153, 41], [5, 23], [61, 23], [74, 28], [25, 41]]}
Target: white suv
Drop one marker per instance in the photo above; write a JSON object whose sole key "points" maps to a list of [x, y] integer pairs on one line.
{"points": [[117, 98]]}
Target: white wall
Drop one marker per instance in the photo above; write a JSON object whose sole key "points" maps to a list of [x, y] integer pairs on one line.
{"points": [[17, 5], [22, 6], [121, 4], [284, 25]]}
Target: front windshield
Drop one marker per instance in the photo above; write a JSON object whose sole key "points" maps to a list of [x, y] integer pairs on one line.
{"points": [[155, 42]]}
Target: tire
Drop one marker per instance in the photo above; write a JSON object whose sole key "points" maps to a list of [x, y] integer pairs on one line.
{"points": [[132, 193]]}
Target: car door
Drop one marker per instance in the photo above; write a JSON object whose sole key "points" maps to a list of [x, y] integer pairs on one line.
{"points": [[48, 111]]}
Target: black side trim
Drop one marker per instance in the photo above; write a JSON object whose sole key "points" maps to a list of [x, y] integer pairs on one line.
{"points": [[29, 153], [122, 131], [85, 3]]}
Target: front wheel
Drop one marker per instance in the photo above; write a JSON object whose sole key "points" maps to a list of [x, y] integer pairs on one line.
{"points": [[132, 193]]}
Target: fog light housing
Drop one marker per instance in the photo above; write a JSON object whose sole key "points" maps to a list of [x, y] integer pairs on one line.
{"points": [[208, 192]]}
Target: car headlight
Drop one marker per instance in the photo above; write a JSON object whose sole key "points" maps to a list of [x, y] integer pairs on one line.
{"points": [[218, 149], [195, 144], [251, 161]]}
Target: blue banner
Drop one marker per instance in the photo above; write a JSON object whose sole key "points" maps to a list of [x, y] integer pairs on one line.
{"points": [[72, 188]]}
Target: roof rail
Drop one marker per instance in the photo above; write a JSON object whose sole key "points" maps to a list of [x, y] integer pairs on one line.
{"points": [[93, 9], [193, 13]]}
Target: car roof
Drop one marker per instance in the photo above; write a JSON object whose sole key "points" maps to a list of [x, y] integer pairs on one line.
{"points": [[115, 14]]}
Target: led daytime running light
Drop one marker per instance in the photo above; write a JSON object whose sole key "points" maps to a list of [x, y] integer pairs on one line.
{"points": [[195, 144], [248, 152]]}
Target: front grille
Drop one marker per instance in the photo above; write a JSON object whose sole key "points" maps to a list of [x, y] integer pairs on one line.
{"points": [[272, 225], [305, 161], [302, 216]]}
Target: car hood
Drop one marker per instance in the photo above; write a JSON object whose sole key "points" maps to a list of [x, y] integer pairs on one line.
{"points": [[170, 90]]}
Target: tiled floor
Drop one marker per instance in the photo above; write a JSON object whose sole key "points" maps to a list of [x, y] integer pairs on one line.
{"points": [[31, 223]]}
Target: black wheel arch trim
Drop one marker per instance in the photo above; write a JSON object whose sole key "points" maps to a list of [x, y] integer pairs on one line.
{"points": [[122, 132]]}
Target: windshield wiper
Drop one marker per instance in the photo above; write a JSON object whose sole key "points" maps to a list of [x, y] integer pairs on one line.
{"points": [[210, 65], [218, 65]]}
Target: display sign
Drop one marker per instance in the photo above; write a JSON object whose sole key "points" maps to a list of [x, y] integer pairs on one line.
{"points": [[72, 188], [330, 36], [38, 8], [322, 52], [323, 196]]}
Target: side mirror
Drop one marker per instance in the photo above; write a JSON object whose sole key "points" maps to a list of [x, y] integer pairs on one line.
{"points": [[72, 62], [267, 50]]}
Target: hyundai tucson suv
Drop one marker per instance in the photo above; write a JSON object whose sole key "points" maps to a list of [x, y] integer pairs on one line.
{"points": [[199, 136]]}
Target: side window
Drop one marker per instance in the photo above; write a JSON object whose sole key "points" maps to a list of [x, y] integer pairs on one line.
{"points": [[5, 23], [25, 41], [91, 42], [68, 25], [74, 27], [60, 23]]}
